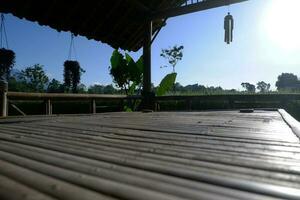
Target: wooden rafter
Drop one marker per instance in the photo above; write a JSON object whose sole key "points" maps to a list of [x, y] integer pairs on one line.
{"points": [[139, 5], [193, 7]]}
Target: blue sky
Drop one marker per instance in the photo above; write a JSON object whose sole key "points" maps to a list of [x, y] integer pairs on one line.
{"points": [[260, 50]]}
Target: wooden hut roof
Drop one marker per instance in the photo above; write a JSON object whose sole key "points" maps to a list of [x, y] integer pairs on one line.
{"points": [[118, 23]]}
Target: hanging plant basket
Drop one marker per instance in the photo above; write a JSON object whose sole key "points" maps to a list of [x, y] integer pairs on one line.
{"points": [[72, 73], [7, 61]]}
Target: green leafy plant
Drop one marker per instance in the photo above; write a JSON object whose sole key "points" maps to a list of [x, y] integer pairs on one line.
{"points": [[126, 73], [72, 75], [166, 84], [7, 61]]}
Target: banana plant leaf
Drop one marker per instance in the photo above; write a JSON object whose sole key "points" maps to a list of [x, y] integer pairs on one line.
{"points": [[166, 84]]}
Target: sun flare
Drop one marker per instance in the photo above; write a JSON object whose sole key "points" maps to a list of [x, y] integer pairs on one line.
{"points": [[282, 23]]}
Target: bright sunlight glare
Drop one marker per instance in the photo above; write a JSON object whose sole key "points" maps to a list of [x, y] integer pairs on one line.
{"points": [[282, 23]]}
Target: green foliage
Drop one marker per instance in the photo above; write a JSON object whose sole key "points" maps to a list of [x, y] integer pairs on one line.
{"points": [[118, 70], [35, 78], [16, 85], [127, 109], [288, 81], [126, 73], [72, 75], [102, 89], [82, 89], [173, 55], [7, 61], [196, 89], [249, 87], [55, 86], [135, 69], [263, 87], [166, 84]]}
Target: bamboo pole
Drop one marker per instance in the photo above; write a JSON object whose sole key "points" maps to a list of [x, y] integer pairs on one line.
{"points": [[3, 98]]}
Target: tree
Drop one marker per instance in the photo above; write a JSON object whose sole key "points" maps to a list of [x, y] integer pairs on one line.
{"points": [[249, 87], [81, 88], [96, 89], [178, 87], [126, 73], [102, 89], [72, 75], [35, 77], [173, 55], [55, 86], [287, 81], [109, 89], [16, 85], [263, 87]]}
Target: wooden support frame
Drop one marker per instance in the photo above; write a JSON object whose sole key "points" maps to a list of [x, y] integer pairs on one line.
{"points": [[48, 107], [147, 57], [191, 8], [93, 106], [148, 96]]}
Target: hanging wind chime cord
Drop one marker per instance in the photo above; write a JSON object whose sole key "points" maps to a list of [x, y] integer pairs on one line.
{"points": [[228, 6], [72, 48], [3, 35]]}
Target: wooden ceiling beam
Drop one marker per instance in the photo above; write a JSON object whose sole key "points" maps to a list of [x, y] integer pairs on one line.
{"points": [[138, 4], [191, 8], [105, 18]]}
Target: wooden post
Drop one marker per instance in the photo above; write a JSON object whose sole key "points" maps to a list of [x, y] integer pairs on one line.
{"points": [[48, 107], [148, 95], [147, 57], [3, 98], [122, 103], [93, 106], [231, 103], [189, 104]]}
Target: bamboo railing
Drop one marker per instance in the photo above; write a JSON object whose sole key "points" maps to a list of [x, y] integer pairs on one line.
{"points": [[232, 101]]}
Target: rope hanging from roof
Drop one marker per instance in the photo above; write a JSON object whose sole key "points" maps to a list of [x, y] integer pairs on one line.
{"points": [[72, 48], [3, 35], [228, 26], [7, 56]]}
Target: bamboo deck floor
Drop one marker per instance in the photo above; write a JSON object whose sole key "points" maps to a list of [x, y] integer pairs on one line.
{"points": [[150, 156]]}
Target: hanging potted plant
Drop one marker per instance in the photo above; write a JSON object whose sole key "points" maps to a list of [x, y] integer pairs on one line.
{"points": [[7, 56], [72, 71], [72, 74], [7, 61]]}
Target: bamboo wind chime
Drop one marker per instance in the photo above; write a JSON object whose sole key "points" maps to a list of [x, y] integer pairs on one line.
{"points": [[228, 26]]}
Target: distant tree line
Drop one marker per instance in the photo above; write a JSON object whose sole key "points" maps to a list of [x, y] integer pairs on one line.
{"points": [[200, 89], [261, 86], [286, 82], [35, 79]]}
